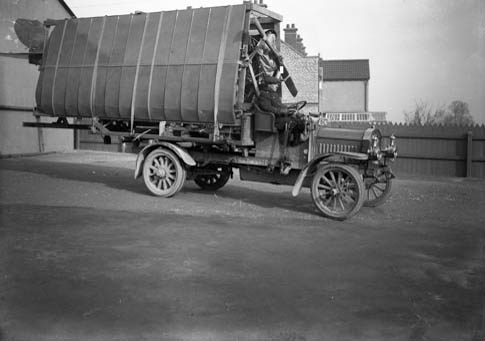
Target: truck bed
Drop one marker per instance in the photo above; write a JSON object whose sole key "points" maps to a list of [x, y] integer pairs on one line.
{"points": [[177, 65]]}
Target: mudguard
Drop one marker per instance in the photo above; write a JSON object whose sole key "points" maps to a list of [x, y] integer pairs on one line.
{"points": [[299, 181], [180, 152]]}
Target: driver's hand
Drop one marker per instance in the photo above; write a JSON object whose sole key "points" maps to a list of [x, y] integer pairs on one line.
{"points": [[284, 111]]}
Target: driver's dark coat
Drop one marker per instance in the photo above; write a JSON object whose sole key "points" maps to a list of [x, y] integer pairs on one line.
{"points": [[271, 101]]}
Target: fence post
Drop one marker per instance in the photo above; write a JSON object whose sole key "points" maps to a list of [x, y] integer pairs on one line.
{"points": [[469, 154]]}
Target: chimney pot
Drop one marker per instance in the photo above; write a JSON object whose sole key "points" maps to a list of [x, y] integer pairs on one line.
{"points": [[290, 35]]}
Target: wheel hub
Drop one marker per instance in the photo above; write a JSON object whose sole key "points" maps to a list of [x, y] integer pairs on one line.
{"points": [[162, 173]]}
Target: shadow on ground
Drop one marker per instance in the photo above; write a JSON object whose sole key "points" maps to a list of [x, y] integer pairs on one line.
{"points": [[122, 179]]}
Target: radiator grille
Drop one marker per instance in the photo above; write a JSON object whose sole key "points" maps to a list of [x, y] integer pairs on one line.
{"points": [[323, 148]]}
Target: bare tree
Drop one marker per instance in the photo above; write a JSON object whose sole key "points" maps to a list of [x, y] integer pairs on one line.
{"points": [[457, 113], [423, 113]]}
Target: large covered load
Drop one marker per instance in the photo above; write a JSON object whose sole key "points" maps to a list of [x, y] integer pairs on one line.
{"points": [[177, 65]]}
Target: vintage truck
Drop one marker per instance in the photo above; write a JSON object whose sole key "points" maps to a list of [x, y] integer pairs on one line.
{"points": [[181, 86]]}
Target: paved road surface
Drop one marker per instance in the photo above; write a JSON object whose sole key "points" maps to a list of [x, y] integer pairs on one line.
{"points": [[87, 253]]}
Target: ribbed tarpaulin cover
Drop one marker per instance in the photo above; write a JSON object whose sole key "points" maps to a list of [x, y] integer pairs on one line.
{"points": [[166, 66]]}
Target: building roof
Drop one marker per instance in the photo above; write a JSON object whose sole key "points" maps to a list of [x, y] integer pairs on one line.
{"points": [[294, 49], [67, 8], [351, 69]]}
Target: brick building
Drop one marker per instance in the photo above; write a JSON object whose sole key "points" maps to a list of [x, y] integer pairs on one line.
{"points": [[339, 88], [304, 71]]}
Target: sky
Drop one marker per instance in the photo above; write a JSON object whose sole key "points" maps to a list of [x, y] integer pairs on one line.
{"points": [[420, 51]]}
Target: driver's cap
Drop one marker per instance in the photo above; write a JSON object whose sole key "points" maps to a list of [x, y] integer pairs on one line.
{"points": [[271, 31]]}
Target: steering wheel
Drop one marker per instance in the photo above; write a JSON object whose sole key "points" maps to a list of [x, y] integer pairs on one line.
{"points": [[300, 105], [297, 106]]}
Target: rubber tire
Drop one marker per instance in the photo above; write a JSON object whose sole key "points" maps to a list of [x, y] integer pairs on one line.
{"points": [[380, 199], [355, 178], [206, 182], [178, 171]]}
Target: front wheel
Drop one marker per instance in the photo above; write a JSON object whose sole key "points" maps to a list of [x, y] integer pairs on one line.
{"points": [[337, 191], [163, 173]]}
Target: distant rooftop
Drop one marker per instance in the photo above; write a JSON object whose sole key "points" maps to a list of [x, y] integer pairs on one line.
{"points": [[350, 69]]}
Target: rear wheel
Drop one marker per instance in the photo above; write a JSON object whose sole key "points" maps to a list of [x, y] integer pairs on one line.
{"points": [[163, 173], [214, 178], [377, 190], [337, 191]]}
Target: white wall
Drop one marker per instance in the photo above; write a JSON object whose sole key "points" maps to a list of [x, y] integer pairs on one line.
{"points": [[18, 80], [343, 96]]}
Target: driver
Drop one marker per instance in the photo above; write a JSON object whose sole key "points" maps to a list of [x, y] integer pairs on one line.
{"points": [[286, 117]]}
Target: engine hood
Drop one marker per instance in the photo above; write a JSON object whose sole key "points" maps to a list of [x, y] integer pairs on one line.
{"points": [[330, 140]]}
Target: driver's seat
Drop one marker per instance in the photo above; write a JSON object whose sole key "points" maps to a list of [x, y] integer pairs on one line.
{"points": [[264, 120]]}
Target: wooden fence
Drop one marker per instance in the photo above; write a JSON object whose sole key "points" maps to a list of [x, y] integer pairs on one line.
{"points": [[457, 151]]}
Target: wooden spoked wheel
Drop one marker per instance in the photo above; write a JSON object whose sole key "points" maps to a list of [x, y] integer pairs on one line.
{"points": [[337, 191], [163, 173]]}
